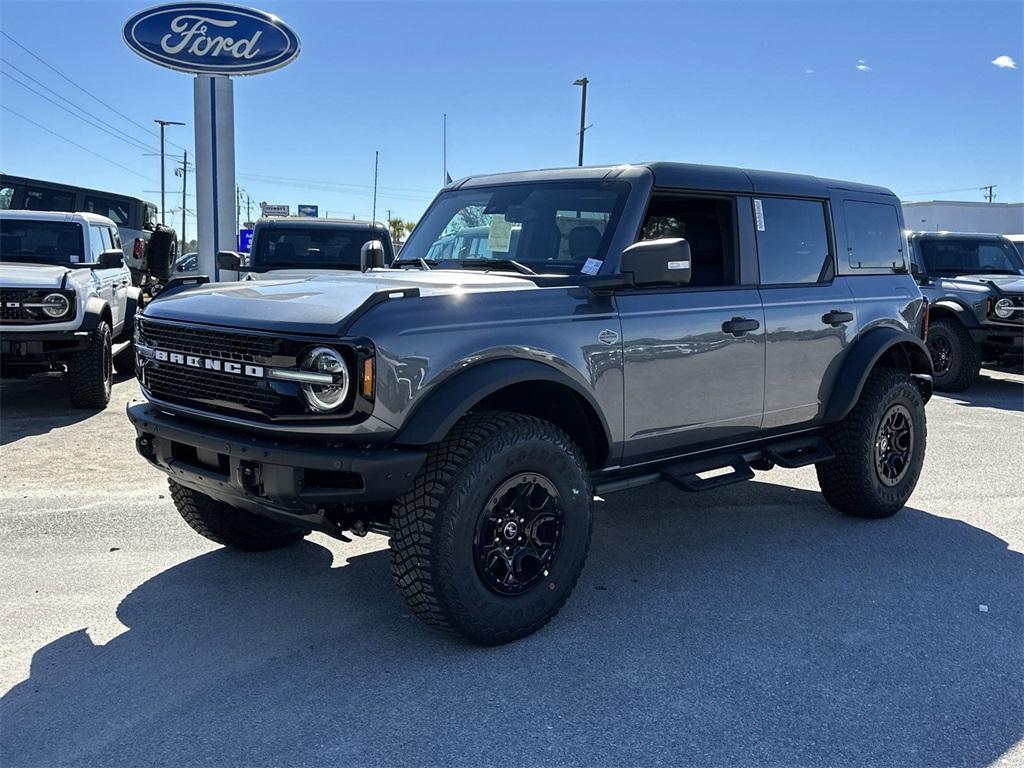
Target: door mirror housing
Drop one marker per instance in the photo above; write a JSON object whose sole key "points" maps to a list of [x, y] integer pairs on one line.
{"points": [[229, 260], [371, 255], [658, 262], [112, 258]]}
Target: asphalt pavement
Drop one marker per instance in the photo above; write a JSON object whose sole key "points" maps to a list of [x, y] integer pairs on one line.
{"points": [[747, 626]]}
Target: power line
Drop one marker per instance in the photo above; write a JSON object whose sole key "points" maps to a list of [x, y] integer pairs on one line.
{"points": [[49, 66], [75, 143], [332, 184], [98, 126]]}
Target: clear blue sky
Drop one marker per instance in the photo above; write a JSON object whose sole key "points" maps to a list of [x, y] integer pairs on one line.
{"points": [[765, 85]]}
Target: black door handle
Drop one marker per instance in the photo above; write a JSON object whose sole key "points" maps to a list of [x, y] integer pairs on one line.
{"points": [[740, 325], [836, 317]]}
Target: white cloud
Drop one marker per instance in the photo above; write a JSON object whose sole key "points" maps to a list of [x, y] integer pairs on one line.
{"points": [[808, 71], [1004, 62], [863, 65]]}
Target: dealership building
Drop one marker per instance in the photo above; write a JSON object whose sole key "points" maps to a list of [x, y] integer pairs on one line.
{"points": [[960, 216]]}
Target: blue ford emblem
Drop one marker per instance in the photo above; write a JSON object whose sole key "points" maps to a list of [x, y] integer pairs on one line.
{"points": [[211, 38]]}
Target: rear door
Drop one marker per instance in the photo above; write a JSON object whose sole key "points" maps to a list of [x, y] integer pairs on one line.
{"points": [[810, 314], [107, 279], [693, 357]]}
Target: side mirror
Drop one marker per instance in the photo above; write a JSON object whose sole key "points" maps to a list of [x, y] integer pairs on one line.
{"points": [[229, 260], [658, 262], [371, 255], [111, 259]]}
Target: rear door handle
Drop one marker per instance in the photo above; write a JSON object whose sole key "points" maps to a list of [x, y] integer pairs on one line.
{"points": [[739, 326], [837, 317]]}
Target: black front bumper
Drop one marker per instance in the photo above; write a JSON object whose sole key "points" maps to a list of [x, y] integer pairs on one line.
{"points": [[301, 482], [23, 353], [1002, 338]]}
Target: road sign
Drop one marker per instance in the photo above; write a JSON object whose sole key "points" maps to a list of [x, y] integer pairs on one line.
{"points": [[244, 240], [274, 210], [211, 38], [312, 211]]}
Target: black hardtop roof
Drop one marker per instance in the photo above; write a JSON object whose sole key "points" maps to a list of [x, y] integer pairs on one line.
{"points": [[710, 178], [306, 222], [920, 235]]}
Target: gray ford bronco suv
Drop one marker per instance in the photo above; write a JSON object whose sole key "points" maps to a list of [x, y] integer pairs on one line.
{"points": [[628, 325], [974, 284]]}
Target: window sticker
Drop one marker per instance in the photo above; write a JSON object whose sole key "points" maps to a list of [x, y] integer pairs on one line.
{"points": [[499, 235], [591, 267], [759, 215]]}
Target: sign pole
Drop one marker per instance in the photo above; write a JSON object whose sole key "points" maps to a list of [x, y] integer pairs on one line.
{"points": [[215, 170]]}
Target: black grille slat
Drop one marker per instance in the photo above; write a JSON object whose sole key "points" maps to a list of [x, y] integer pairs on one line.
{"points": [[19, 295], [181, 383], [228, 345]]}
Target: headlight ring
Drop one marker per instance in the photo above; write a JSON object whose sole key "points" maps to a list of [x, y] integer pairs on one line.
{"points": [[325, 398], [1004, 308], [55, 305]]}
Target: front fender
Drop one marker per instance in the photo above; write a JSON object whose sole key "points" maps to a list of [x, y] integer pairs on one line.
{"points": [[452, 399], [866, 353], [961, 311], [96, 309]]}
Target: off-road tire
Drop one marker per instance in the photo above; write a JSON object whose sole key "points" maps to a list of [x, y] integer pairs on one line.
{"points": [[435, 523], [90, 372], [965, 363], [851, 482], [124, 361], [227, 525]]}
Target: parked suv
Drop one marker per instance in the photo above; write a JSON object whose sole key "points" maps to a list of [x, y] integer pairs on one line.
{"points": [[302, 247], [975, 287], [67, 301], [658, 322]]}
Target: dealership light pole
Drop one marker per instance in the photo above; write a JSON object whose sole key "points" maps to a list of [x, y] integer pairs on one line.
{"points": [[163, 202], [583, 113], [183, 172]]}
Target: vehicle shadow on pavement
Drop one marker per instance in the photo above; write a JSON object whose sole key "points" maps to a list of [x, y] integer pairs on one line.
{"points": [[38, 405], [990, 392], [750, 625]]}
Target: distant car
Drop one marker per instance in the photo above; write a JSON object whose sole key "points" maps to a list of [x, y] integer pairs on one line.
{"points": [[66, 301], [302, 247], [186, 264], [974, 284]]}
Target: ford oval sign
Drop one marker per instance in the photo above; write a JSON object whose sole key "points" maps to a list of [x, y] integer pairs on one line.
{"points": [[211, 38]]}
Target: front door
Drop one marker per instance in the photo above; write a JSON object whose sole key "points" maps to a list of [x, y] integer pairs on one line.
{"points": [[693, 357]]}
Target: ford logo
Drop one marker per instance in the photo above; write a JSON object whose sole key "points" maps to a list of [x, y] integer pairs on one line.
{"points": [[211, 38]]}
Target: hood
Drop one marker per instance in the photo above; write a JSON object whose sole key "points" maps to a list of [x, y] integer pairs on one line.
{"points": [[1005, 283], [315, 305], [293, 274], [26, 275]]}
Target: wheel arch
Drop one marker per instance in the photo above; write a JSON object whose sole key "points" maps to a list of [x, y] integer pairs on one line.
{"points": [[520, 386], [948, 308], [96, 309], [887, 346]]}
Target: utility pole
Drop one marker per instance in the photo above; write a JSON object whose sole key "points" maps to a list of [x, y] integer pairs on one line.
{"points": [[238, 208], [183, 172], [163, 202], [989, 192], [376, 162], [583, 113], [248, 208]]}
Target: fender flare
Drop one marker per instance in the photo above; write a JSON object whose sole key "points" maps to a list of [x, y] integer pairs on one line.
{"points": [[962, 312], [94, 310], [863, 357], [131, 308], [453, 398]]}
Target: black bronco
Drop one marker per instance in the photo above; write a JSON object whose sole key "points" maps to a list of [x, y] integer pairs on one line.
{"points": [[975, 289], [620, 326]]}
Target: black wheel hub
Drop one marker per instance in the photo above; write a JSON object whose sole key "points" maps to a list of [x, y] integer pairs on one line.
{"points": [[894, 445], [517, 534], [942, 354]]}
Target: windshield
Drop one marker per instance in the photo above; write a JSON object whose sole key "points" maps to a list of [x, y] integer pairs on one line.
{"points": [[549, 227], [312, 248], [48, 242], [966, 256]]}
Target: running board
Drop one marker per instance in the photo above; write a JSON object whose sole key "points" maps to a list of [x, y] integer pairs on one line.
{"points": [[119, 347], [685, 479], [800, 452]]}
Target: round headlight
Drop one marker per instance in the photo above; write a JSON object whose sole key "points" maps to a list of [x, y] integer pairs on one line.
{"points": [[1004, 309], [56, 305], [327, 396]]}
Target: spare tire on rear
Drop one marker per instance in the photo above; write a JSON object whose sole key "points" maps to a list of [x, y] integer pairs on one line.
{"points": [[161, 251]]}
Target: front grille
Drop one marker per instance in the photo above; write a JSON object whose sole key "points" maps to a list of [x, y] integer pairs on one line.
{"points": [[12, 309], [15, 297], [229, 345], [176, 383]]}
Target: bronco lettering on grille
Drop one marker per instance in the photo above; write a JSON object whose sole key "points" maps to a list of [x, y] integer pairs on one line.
{"points": [[209, 364]]}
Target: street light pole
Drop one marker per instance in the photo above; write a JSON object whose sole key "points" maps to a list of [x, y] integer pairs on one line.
{"points": [[583, 114], [163, 202], [183, 172]]}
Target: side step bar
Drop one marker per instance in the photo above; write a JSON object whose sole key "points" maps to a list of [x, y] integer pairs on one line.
{"points": [[685, 475], [119, 347]]}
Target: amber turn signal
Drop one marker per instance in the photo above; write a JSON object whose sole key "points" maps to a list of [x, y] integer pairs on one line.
{"points": [[367, 378]]}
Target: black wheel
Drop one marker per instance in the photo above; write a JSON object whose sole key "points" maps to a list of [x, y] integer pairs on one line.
{"points": [[491, 538], [91, 371], [956, 359], [124, 361], [879, 448], [230, 526]]}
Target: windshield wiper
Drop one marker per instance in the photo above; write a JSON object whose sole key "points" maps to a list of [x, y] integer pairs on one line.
{"points": [[423, 264], [497, 264]]}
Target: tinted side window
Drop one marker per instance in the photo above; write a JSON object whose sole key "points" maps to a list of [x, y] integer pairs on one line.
{"points": [[40, 199], [792, 241], [116, 210], [873, 237]]}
